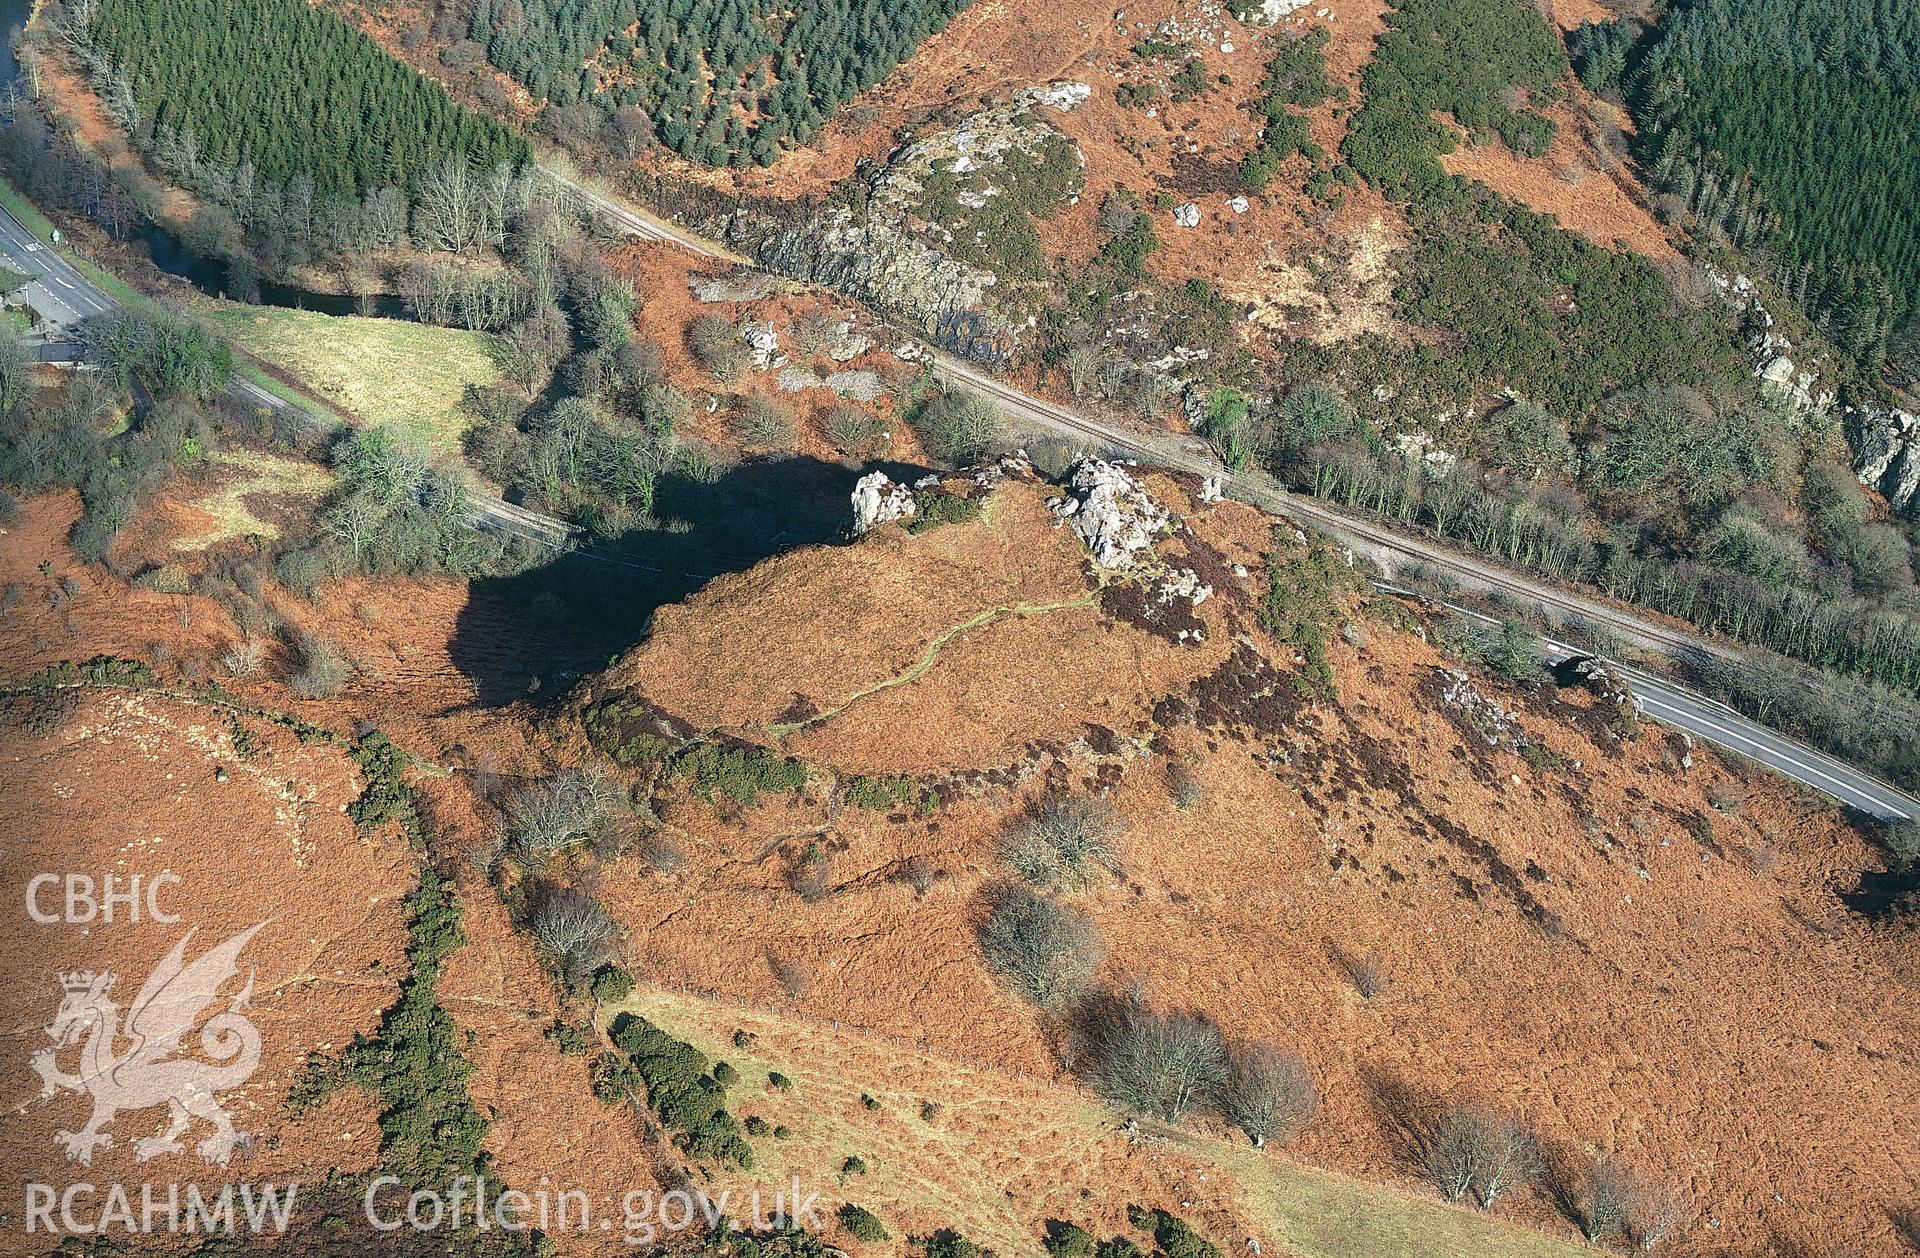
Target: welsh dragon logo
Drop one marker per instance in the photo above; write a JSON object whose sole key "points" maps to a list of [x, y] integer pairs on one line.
{"points": [[152, 1071]]}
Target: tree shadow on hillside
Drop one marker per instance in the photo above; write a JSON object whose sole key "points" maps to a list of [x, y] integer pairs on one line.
{"points": [[533, 634], [1882, 895], [1408, 1118]]}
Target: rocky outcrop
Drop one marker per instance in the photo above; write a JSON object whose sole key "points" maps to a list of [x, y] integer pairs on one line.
{"points": [[1885, 440], [860, 386], [846, 342], [877, 500], [1475, 713], [1618, 710], [1267, 12], [1886, 453], [737, 284], [1418, 447], [889, 253], [878, 261], [1185, 584], [1114, 516], [765, 344]]}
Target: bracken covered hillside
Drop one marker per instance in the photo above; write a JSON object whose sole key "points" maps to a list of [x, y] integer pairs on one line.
{"points": [[1646, 953], [821, 807]]}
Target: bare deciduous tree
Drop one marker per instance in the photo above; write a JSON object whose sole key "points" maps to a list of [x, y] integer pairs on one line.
{"points": [[1268, 1094], [449, 206], [791, 975], [1659, 1213], [562, 810], [573, 929], [1367, 971], [323, 669], [1045, 951], [1606, 1200], [1165, 1066], [1064, 842], [242, 659], [764, 422], [1479, 1152]]}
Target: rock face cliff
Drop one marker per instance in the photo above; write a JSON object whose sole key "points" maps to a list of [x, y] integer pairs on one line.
{"points": [[1885, 440], [879, 262], [1886, 453], [924, 243]]}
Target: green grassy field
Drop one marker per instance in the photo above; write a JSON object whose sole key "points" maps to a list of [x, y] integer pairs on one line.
{"points": [[382, 371], [996, 1132]]}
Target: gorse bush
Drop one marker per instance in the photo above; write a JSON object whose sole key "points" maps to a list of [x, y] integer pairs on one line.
{"points": [[1175, 1237], [611, 984], [880, 794], [1458, 57], [742, 772], [863, 1224], [386, 798], [1296, 80], [1307, 588], [615, 1081], [937, 508], [1067, 1240], [682, 1093], [431, 1132]]}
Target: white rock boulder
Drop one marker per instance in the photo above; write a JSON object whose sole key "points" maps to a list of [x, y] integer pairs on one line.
{"points": [[877, 500], [1114, 516], [765, 344], [1271, 11]]}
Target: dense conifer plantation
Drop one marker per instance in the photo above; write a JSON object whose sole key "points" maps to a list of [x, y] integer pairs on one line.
{"points": [[286, 88], [722, 81], [1792, 126]]}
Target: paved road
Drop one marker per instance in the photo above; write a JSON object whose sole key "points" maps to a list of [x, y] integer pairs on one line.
{"points": [[1395, 551], [1715, 722], [61, 295]]}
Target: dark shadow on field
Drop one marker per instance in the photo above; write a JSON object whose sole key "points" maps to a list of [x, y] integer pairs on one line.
{"points": [[587, 606]]}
